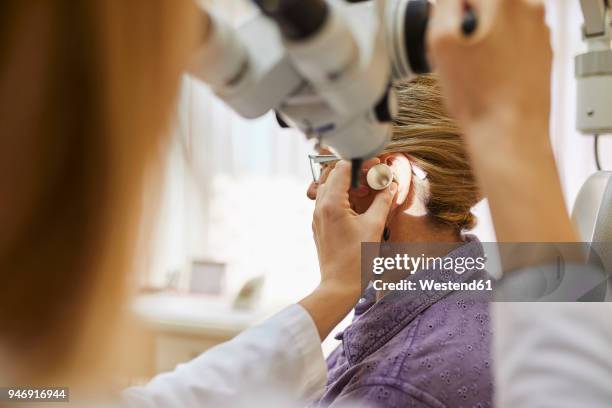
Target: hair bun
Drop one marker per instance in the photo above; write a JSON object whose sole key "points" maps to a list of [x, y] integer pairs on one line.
{"points": [[469, 221]]}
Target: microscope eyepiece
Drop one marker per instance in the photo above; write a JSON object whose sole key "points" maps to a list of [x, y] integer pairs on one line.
{"points": [[406, 26], [415, 28]]}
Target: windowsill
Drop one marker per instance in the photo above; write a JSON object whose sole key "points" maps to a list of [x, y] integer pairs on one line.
{"points": [[197, 314]]}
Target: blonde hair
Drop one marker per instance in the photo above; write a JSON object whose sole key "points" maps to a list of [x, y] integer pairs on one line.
{"points": [[86, 91], [425, 131]]}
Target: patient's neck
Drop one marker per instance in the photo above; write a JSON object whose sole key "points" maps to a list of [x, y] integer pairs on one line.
{"points": [[407, 228]]}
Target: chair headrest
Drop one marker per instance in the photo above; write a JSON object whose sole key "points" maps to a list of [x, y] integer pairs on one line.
{"points": [[592, 213]]}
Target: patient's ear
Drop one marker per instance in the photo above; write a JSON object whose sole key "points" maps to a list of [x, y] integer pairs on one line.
{"points": [[402, 171]]}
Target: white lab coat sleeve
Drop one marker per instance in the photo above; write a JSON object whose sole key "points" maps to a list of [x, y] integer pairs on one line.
{"points": [[281, 355], [552, 354]]}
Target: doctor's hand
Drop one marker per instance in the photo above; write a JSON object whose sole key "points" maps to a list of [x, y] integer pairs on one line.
{"points": [[496, 84], [338, 233]]}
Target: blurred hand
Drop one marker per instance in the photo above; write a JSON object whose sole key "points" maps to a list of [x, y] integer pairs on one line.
{"points": [[497, 86], [500, 74]]}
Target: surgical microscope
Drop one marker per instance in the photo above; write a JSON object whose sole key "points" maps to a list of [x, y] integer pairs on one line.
{"points": [[325, 67]]}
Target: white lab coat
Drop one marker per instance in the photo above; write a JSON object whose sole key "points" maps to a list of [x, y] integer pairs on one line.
{"points": [[552, 354], [277, 363]]}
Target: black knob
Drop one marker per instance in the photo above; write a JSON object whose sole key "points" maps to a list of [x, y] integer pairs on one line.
{"points": [[470, 22], [297, 19]]}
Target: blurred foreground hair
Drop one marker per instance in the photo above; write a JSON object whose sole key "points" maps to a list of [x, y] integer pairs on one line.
{"points": [[86, 89]]}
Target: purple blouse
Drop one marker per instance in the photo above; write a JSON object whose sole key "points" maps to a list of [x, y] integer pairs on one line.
{"points": [[416, 349]]}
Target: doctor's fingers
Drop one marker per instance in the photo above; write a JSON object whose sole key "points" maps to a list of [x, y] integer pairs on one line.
{"points": [[378, 212], [445, 24], [332, 195], [504, 63], [366, 165]]}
